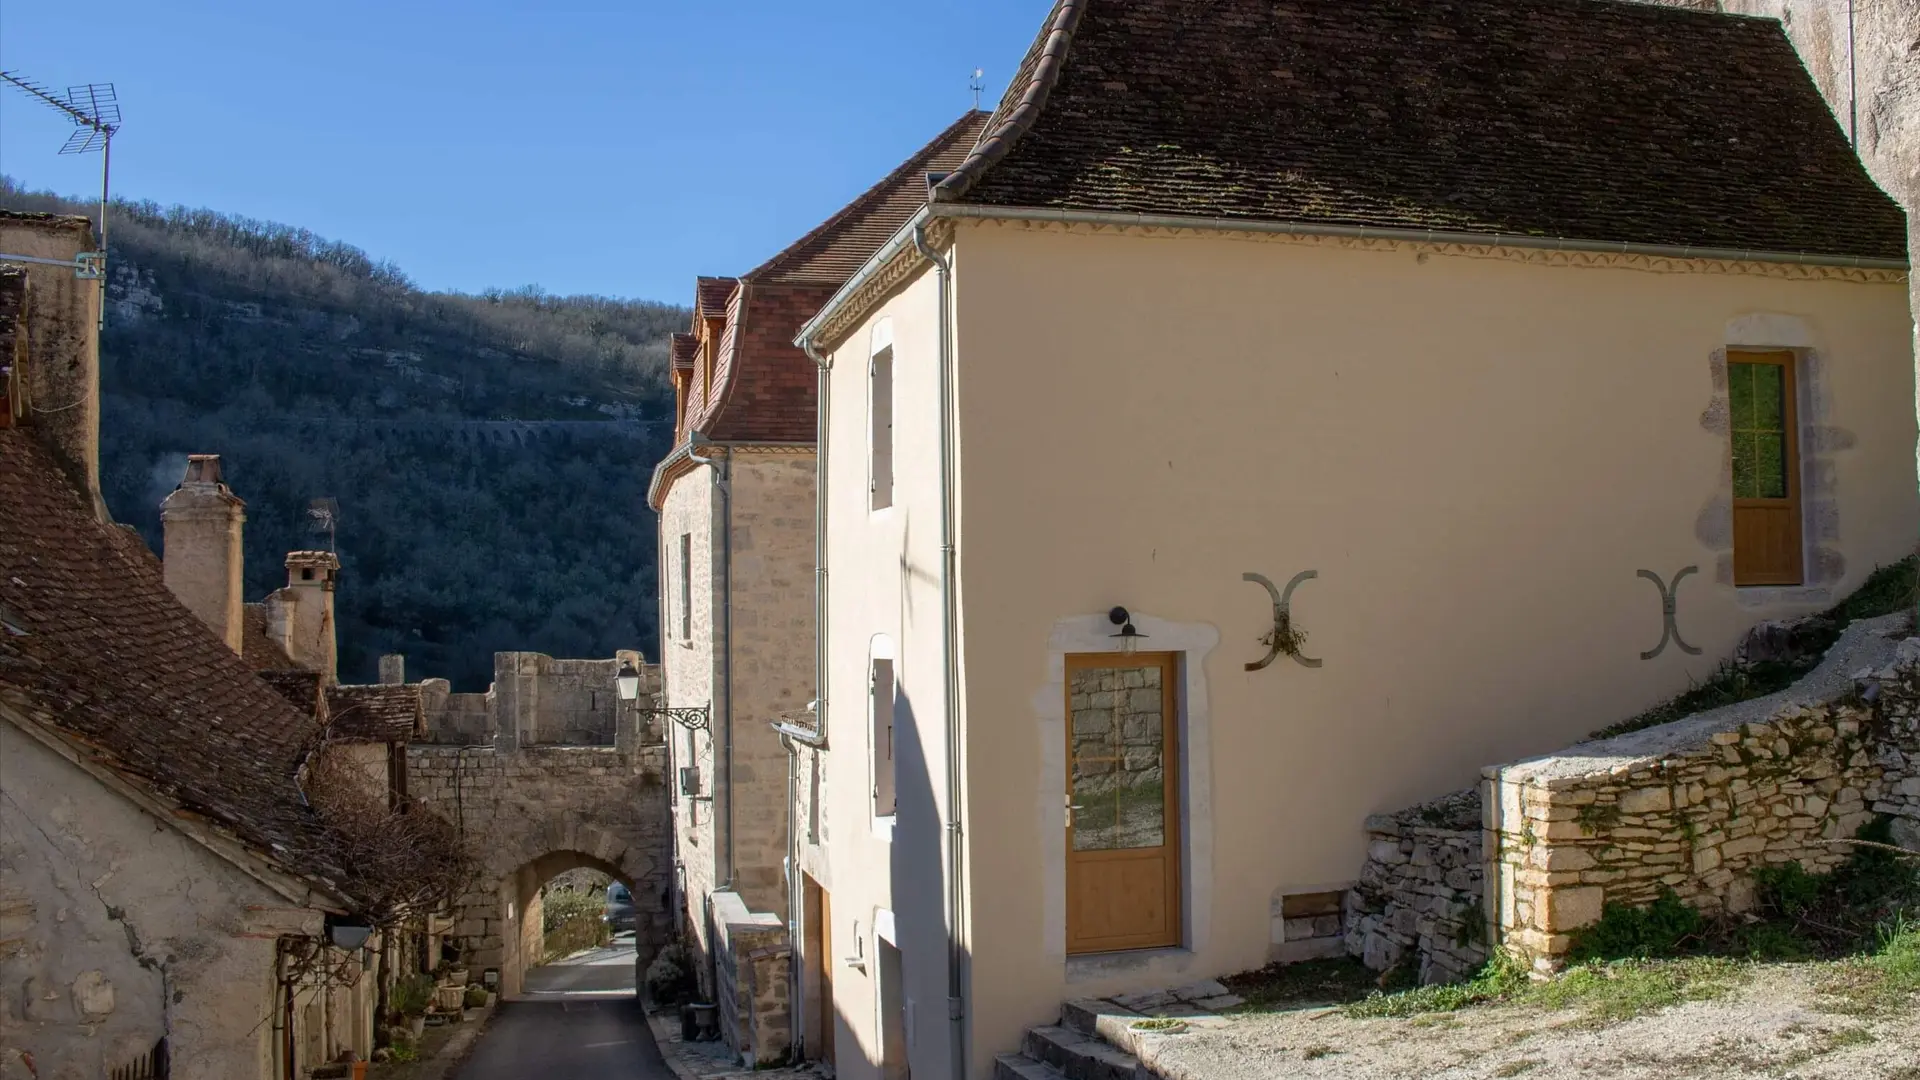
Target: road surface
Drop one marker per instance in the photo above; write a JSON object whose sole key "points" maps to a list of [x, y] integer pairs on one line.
{"points": [[579, 1018]]}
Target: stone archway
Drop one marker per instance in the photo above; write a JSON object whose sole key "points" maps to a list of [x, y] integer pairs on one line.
{"points": [[531, 813], [517, 898]]}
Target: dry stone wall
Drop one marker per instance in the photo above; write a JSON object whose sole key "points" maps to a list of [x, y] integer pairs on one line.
{"points": [[1698, 805], [753, 991], [1418, 899]]}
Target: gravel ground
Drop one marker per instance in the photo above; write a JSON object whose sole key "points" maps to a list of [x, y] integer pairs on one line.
{"points": [[1778, 1026]]}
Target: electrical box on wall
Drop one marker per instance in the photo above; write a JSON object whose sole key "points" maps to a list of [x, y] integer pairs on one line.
{"points": [[690, 780]]}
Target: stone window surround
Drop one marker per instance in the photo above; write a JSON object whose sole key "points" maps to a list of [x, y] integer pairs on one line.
{"points": [[1823, 567], [1094, 634]]}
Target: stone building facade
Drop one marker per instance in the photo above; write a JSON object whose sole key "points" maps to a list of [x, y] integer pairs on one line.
{"points": [[164, 879]]}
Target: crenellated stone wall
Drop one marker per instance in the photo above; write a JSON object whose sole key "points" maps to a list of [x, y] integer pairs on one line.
{"points": [[1418, 900], [1698, 805]]}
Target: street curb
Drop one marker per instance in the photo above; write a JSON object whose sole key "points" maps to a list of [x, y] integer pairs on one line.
{"points": [[473, 1023], [665, 1027]]}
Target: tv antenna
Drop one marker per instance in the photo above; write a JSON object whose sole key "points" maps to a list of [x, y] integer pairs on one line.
{"points": [[976, 85], [323, 516], [95, 112]]}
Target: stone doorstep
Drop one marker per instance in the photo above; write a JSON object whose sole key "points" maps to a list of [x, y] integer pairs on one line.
{"points": [[1082, 1057]]}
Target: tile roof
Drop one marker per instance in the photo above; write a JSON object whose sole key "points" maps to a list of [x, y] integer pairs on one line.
{"points": [[1591, 120], [685, 349], [711, 295], [100, 649], [764, 385], [301, 688], [259, 651], [840, 245], [378, 712]]}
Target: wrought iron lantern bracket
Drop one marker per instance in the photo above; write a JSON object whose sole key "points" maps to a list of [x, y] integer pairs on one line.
{"points": [[694, 718]]}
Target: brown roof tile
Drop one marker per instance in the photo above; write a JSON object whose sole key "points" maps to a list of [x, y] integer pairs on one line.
{"points": [[98, 647], [1577, 119], [301, 688], [378, 712], [685, 349], [260, 652]]}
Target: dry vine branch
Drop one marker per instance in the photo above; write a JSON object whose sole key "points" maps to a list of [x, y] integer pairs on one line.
{"points": [[398, 862]]}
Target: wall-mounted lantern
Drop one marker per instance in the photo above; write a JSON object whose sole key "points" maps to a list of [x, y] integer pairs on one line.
{"points": [[628, 681], [1128, 637]]}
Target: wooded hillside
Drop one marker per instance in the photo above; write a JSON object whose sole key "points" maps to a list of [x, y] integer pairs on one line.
{"points": [[488, 454]]}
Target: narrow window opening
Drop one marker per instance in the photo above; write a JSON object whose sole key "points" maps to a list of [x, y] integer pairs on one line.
{"points": [[1764, 429], [686, 586], [883, 767], [880, 434]]}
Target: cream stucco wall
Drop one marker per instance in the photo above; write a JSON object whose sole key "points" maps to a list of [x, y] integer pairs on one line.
{"points": [[1476, 454], [884, 577]]}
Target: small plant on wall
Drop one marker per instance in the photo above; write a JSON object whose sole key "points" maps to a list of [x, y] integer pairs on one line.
{"points": [[1285, 638]]}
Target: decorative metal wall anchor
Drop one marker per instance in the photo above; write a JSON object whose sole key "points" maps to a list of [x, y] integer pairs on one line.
{"points": [[1669, 629], [1284, 638]]}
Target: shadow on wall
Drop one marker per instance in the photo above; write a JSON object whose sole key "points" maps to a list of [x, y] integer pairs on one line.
{"points": [[910, 972]]}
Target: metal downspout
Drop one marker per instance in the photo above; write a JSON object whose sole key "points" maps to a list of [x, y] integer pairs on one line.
{"points": [[790, 735], [723, 784], [949, 662]]}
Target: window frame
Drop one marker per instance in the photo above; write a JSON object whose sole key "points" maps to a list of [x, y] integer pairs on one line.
{"points": [[1793, 503]]}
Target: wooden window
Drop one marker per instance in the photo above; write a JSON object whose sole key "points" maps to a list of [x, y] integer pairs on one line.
{"points": [[882, 698], [1766, 468], [686, 586], [880, 430]]}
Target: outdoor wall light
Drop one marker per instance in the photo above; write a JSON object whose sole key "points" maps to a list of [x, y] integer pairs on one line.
{"points": [[628, 680], [348, 936], [1129, 637]]}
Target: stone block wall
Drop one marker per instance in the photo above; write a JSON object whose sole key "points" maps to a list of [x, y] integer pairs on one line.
{"points": [[1419, 898], [1698, 805], [751, 976], [535, 812], [455, 719]]}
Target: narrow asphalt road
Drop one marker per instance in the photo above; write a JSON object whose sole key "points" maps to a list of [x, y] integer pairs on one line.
{"points": [[580, 1018]]}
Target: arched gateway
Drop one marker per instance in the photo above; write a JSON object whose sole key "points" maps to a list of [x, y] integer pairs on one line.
{"points": [[531, 810]]}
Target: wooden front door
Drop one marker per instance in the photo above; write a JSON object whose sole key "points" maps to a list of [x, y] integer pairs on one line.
{"points": [[1123, 802], [829, 1011]]}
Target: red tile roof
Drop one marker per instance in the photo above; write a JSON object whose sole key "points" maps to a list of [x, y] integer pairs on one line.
{"points": [[840, 245], [96, 646], [378, 712], [764, 386], [685, 349], [711, 296]]}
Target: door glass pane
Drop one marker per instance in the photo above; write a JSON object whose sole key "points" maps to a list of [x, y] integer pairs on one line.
{"points": [[1757, 398], [1119, 755]]}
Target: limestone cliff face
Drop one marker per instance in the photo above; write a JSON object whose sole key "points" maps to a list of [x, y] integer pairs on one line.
{"points": [[1874, 83]]}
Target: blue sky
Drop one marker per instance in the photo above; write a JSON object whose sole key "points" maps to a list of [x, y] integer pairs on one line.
{"points": [[616, 148]]}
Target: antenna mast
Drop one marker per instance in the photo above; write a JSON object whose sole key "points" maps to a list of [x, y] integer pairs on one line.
{"points": [[95, 112], [976, 85]]}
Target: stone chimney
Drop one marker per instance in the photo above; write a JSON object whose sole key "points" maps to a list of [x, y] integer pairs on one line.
{"points": [[201, 523], [62, 389], [300, 616], [393, 669]]}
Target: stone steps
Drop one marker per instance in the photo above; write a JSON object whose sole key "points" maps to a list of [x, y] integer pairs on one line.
{"points": [[1077, 1048]]}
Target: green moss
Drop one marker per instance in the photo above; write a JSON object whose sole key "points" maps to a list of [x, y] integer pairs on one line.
{"points": [[1595, 817]]}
